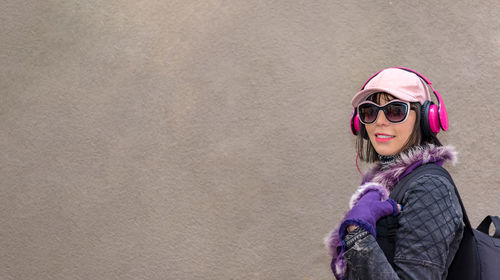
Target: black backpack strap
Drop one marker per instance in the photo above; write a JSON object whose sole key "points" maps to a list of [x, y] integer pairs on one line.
{"points": [[430, 169], [484, 226]]}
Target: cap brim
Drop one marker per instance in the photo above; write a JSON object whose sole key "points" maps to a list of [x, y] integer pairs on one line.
{"points": [[364, 94]]}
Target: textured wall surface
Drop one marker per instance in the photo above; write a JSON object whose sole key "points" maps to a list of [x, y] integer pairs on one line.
{"points": [[209, 139]]}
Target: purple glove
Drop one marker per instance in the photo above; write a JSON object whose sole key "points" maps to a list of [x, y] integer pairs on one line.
{"points": [[367, 211]]}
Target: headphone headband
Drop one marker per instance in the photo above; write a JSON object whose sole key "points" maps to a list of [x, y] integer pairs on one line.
{"points": [[443, 117]]}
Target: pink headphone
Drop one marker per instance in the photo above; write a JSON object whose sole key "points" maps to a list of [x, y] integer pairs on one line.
{"points": [[433, 117]]}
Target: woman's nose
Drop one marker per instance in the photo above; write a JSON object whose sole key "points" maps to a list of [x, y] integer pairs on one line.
{"points": [[381, 119]]}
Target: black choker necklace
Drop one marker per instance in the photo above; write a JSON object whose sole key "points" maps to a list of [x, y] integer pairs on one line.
{"points": [[384, 160]]}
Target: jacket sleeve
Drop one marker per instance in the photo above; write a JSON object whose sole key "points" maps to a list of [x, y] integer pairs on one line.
{"points": [[429, 233]]}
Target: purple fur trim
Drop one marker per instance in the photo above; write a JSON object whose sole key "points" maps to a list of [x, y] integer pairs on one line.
{"points": [[332, 240], [411, 168], [338, 268], [363, 189], [411, 159]]}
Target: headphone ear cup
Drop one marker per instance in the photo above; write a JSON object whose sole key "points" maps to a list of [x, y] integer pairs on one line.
{"points": [[354, 122], [429, 119], [356, 126], [434, 118]]}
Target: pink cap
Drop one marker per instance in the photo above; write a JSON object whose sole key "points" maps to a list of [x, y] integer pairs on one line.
{"points": [[399, 83]]}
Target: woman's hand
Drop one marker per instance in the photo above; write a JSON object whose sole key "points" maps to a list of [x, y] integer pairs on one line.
{"points": [[367, 212]]}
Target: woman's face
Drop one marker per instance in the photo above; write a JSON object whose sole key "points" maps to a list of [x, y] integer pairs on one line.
{"points": [[389, 138]]}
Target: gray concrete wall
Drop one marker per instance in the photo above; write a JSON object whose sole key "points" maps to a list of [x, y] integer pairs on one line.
{"points": [[209, 139]]}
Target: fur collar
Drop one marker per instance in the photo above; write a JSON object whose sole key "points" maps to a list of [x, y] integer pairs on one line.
{"points": [[406, 162], [384, 179], [389, 176]]}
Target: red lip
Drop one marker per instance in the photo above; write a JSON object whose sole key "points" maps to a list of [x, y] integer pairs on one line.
{"points": [[383, 140]]}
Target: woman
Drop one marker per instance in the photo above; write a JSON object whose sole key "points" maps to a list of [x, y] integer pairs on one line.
{"points": [[396, 125]]}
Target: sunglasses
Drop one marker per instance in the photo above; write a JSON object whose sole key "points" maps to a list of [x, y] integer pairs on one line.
{"points": [[395, 111]]}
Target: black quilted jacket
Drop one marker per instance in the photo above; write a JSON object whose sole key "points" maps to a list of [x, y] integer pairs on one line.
{"points": [[430, 232], [430, 225]]}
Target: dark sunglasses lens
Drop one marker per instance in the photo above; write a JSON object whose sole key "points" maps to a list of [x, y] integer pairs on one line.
{"points": [[396, 112], [368, 113]]}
